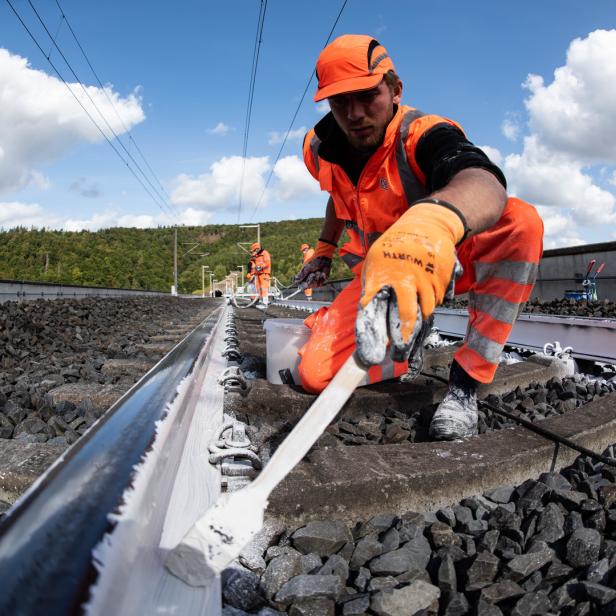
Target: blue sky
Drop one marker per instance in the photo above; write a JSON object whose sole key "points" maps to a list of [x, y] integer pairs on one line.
{"points": [[177, 71]]}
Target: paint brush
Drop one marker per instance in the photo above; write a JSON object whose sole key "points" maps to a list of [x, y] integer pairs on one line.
{"points": [[221, 534]]}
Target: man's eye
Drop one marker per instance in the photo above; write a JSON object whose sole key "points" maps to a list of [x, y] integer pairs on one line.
{"points": [[367, 96]]}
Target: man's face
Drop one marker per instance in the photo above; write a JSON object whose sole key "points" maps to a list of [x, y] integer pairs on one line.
{"points": [[363, 116]]}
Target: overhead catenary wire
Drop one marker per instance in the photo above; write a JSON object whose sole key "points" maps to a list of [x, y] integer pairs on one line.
{"points": [[251, 89], [100, 113], [155, 198], [301, 100], [109, 99]]}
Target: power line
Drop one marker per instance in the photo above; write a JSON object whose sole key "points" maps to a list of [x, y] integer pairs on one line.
{"points": [[117, 152], [126, 129], [251, 88], [100, 113], [269, 177]]}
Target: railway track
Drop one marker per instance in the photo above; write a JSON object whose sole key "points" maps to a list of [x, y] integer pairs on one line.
{"points": [[372, 486]]}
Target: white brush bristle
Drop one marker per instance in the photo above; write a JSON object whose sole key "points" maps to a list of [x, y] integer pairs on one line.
{"points": [[217, 538]]}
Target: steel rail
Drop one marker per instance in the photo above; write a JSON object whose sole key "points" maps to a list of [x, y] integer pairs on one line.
{"points": [[591, 338], [47, 538]]}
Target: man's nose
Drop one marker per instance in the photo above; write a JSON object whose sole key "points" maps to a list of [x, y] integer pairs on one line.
{"points": [[355, 110]]}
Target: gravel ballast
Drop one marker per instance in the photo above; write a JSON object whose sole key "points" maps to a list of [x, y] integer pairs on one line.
{"points": [[603, 308], [547, 546], [63, 362]]}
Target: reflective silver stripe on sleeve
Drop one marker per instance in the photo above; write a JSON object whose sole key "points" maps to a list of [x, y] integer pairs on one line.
{"points": [[315, 142], [351, 260], [488, 349], [413, 190], [521, 272], [497, 307]]}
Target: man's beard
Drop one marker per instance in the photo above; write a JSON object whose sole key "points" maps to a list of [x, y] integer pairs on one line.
{"points": [[371, 141]]}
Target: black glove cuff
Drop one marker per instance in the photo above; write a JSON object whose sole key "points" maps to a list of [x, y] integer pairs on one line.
{"points": [[451, 207], [321, 239]]}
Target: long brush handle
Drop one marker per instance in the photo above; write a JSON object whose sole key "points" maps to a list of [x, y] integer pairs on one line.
{"points": [[299, 290], [310, 427]]}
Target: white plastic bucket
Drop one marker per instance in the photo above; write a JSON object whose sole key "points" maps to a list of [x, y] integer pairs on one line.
{"points": [[284, 338]]}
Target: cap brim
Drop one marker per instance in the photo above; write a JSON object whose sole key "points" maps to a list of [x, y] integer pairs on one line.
{"points": [[348, 85]]}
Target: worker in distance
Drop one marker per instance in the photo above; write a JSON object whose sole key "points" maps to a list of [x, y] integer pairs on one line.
{"points": [[260, 271], [427, 214], [307, 254]]}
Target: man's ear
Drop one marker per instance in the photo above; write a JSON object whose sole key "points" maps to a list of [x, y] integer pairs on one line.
{"points": [[397, 92]]}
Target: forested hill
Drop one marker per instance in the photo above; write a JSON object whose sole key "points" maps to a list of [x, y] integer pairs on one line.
{"points": [[143, 258]]}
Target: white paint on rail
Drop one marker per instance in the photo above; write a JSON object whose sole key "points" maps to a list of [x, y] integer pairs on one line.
{"points": [[174, 486]]}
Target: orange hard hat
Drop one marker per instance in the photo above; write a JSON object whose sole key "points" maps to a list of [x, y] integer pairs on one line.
{"points": [[255, 246], [349, 63], [304, 247]]}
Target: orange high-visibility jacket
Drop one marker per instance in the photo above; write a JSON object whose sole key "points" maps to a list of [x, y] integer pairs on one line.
{"points": [[262, 263], [390, 180]]}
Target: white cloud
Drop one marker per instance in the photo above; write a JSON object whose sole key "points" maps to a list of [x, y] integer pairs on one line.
{"points": [[510, 128], [219, 188], [193, 217], [493, 154], [294, 135], [560, 228], [113, 218], [18, 214], [220, 129], [85, 187], [576, 113], [294, 181], [572, 123], [547, 177], [41, 121], [323, 107]]}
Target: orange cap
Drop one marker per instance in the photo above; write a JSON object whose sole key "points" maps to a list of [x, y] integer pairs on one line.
{"points": [[304, 247], [349, 63], [255, 246]]}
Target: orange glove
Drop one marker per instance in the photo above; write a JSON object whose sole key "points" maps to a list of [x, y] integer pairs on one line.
{"points": [[316, 271], [412, 262]]}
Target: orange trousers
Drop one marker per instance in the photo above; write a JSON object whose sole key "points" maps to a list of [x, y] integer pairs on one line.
{"points": [[262, 284], [500, 267]]}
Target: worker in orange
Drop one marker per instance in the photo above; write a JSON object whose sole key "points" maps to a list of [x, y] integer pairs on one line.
{"points": [[427, 215], [308, 253], [262, 270]]}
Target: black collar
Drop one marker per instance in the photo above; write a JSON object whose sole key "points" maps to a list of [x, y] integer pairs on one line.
{"points": [[334, 147]]}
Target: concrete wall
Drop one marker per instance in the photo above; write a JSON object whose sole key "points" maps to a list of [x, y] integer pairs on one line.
{"points": [[14, 290], [564, 268]]}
